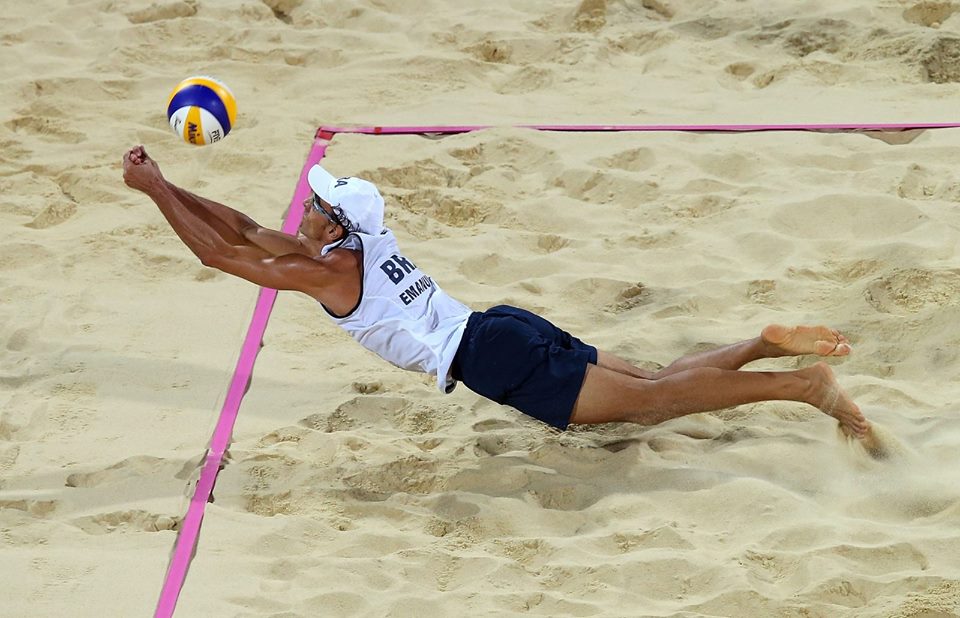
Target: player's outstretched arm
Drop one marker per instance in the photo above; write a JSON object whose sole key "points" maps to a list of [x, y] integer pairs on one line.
{"points": [[233, 254], [237, 228], [142, 173], [233, 226]]}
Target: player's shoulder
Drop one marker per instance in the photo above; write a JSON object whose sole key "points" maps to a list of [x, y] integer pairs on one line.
{"points": [[343, 257]]}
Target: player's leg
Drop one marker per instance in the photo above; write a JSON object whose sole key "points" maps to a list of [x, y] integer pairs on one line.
{"points": [[774, 341], [608, 396]]}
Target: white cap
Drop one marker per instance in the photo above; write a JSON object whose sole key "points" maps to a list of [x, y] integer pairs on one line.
{"points": [[359, 200]]}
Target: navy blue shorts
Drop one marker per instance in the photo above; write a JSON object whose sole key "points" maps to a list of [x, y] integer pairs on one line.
{"points": [[517, 358]]}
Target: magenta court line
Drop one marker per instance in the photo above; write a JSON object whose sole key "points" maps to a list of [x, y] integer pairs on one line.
{"points": [[702, 128], [186, 543]]}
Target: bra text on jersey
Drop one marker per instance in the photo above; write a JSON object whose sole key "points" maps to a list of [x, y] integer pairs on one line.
{"points": [[397, 267]]}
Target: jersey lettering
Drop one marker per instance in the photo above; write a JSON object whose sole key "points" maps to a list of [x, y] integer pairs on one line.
{"points": [[411, 293], [406, 264], [392, 268]]}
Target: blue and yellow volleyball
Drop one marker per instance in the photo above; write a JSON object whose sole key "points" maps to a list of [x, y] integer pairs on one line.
{"points": [[201, 110]]}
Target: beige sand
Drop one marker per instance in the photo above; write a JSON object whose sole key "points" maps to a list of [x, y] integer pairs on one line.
{"points": [[355, 489]]}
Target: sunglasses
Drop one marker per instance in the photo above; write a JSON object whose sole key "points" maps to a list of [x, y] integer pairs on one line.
{"points": [[336, 218]]}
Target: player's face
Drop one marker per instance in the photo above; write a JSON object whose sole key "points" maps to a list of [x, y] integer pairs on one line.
{"points": [[319, 219]]}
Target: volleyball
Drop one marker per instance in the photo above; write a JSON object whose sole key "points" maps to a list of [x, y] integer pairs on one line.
{"points": [[201, 110]]}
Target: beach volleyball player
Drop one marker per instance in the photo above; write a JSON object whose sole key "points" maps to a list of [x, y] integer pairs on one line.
{"points": [[344, 258]]}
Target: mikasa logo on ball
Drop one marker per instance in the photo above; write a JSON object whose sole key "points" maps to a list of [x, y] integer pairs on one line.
{"points": [[201, 110]]}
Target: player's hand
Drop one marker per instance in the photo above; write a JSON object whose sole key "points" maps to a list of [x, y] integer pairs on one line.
{"points": [[140, 172]]}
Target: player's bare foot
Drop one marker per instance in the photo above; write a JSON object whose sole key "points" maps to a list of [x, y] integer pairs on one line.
{"points": [[796, 340], [825, 393]]}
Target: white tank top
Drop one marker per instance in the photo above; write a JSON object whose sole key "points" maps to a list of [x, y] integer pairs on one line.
{"points": [[403, 315]]}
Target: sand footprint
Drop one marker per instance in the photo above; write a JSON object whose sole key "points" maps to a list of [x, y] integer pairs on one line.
{"points": [[641, 43], [472, 155], [563, 494], [47, 90], [876, 560], [39, 123], [661, 9], [511, 149], [291, 434], [417, 175], [363, 411], [762, 291], [128, 470], [589, 16], [273, 504], [710, 28], [702, 206], [495, 443], [523, 551], [630, 297], [411, 475], [36, 508], [529, 51], [939, 60], [740, 70], [661, 537], [521, 478], [160, 12], [613, 295], [914, 289], [491, 51], [633, 160], [327, 423], [594, 186], [827, 35], [525, 80], [463, 213], [281, 9], [929, 14], [550, 243], [495, 269], [53, 214], [920, 183], [802, 37], [8, 455], [126, 521], [935, 57], [493, 424]]}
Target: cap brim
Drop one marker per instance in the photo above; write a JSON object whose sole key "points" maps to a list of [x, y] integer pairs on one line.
{"points": [[320, 181]]}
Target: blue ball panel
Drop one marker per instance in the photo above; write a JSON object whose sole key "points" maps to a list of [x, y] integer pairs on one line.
{"points": [[202, 97]]}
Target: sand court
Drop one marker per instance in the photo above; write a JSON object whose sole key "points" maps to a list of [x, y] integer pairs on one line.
{"points": [[451, 473], [355, 489]]}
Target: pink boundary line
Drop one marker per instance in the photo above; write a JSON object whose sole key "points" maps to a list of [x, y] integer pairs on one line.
{"points": [[186, 543], [705, 128]]}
